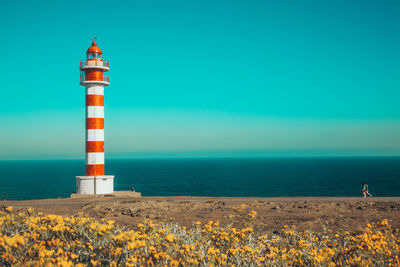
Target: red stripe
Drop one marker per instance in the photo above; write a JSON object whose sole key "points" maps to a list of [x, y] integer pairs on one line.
{"points": [[94, 123], [94, 169], [94, 100], [94, 75], [94, 146]]}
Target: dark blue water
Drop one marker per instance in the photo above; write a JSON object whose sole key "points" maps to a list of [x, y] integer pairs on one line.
{"points": [[210, 177]]}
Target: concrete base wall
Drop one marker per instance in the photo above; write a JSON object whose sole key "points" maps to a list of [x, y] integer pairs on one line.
{"points": [[95, 184], [119, 194]]}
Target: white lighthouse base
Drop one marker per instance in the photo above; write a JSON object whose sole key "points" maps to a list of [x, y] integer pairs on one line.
{"points": [[95, 185]]}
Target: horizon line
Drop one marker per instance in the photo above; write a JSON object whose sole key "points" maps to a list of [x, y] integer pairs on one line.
{"points": [[211, 157]]}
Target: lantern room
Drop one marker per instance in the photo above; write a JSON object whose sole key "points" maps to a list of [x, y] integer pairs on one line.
{"points": [[94, 52], [93, 67]]}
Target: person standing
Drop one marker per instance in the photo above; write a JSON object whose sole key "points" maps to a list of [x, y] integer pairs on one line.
{"points": [[365, 190]]}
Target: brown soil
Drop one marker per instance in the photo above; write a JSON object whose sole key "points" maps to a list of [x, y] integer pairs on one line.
{"points": [[338, 214]]}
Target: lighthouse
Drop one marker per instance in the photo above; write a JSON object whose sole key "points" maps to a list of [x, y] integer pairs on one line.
{"points": [[94, 79]]}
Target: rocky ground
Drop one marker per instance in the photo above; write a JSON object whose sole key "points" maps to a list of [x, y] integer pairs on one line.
{"points": [[336, 213]]}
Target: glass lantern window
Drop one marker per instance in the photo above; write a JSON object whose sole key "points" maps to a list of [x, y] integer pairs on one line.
{"points": [[93, 55]]}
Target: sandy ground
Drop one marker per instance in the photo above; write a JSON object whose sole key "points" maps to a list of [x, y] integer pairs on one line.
{"points": [[337, 213]]}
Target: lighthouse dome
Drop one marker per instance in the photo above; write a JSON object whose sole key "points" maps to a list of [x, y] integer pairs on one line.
{"points": [[94, 49]]}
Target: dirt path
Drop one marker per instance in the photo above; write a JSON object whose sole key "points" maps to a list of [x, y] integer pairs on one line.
{"points": [[337, 213]]}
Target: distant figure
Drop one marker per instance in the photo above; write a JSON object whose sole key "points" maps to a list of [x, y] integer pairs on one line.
{"points": [[365, 190], [132, 189]]}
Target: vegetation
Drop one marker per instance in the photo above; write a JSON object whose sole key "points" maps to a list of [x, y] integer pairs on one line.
{"points": [[35, 239]]}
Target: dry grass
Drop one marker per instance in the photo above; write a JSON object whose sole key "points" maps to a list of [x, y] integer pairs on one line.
{"points": [[35, 239]]}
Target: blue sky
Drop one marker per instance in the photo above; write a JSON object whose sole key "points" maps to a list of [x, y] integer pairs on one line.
{"points": [[203, 78]]}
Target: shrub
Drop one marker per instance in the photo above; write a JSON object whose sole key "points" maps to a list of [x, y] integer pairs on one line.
{"points": [[32, 239]]}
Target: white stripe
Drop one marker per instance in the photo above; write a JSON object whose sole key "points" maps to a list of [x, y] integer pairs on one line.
{"points": [[94, 112], [95, 135], [94, 89], [95, 158]]}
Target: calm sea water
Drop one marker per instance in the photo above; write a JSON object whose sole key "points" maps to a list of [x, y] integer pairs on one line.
{"points": [[210, 177]]}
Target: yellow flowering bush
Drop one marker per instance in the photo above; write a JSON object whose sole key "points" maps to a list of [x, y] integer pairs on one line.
{"points": [[35, 239]]}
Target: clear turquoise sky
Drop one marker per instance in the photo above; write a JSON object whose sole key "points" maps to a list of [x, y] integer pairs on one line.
{"points": [[203, 78]]}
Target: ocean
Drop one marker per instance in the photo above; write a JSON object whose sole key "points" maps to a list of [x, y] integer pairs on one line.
{"points": [[233, 177]]}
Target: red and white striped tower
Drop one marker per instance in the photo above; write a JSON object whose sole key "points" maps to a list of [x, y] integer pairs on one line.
{"points": [[94, 79]]}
